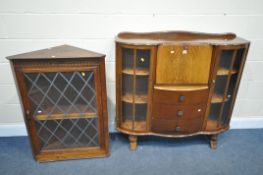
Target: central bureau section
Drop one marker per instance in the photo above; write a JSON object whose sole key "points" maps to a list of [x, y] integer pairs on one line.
{"points": [[181, 88]]}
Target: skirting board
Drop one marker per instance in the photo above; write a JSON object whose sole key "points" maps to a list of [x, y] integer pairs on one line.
{"points": [[18, 129]]}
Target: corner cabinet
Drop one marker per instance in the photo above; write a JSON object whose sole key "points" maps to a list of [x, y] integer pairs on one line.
{"points": [[177, 84], [63, 94]]}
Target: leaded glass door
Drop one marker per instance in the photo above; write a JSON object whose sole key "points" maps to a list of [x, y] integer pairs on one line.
{"points": [[63, 107]]}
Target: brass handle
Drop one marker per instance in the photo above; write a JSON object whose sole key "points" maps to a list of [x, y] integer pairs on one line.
{"points": [[178, 129], [181, 98], [180, 113]]}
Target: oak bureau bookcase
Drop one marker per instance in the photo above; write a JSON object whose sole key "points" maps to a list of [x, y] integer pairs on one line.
{"points": [[63, 94], [177, 84]]}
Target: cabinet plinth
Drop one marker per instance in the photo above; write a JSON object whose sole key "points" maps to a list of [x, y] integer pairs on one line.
{"points": [[63, 93], [177, 84]]}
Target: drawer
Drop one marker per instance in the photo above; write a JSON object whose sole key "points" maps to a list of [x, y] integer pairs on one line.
{"points": [[171, 112], [176, 126], [180, 97]]}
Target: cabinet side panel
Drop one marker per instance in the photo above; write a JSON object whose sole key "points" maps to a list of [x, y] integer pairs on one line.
{"points": [[104, 105], [31, 129]]}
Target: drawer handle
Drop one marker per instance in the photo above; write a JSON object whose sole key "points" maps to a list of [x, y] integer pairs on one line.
{"points": [[181, 98], [180, 113], [178, 129]]}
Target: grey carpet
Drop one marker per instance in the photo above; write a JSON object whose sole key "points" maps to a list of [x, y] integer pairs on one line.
{"points": [[239, 152]]}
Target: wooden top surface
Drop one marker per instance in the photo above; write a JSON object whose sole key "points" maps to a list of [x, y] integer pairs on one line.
{"points": [[173, 37], [63, 51]]}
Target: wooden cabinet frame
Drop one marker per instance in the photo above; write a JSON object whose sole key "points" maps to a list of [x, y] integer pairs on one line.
{"points": [[222, 46], [88, 62]]}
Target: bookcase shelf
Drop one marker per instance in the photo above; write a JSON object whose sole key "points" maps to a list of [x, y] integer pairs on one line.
{"points": [[223, 71], [139, 72], [137, 99]]}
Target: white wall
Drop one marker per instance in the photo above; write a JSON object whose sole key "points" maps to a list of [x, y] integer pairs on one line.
{"points": [[33, 24]]}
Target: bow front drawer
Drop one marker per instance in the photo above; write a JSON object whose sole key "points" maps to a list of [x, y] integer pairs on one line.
{"points": [[176, 126], [168, 96], [171, 112]]}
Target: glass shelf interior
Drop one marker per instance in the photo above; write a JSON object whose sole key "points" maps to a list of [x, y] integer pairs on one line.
{"points": [[135, 79], [64, 109], [225, 88]]}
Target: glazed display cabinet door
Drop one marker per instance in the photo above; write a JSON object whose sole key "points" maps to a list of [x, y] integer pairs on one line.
{"points": [[226, 82], [135, 74], [62, 107]]}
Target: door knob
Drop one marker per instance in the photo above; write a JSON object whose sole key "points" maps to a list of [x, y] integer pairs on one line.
{"points": [[180, 113], [178, 129], [181, 98]]}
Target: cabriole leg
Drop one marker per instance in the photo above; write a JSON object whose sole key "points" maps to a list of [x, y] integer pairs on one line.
{"points": [[133, 142], [213, 141]]}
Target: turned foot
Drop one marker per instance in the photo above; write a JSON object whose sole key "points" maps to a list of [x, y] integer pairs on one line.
{"points": [[213, 141], [133, 142]]}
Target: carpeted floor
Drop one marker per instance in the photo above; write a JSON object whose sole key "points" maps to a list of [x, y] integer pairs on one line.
{"points": [[239, 152]]}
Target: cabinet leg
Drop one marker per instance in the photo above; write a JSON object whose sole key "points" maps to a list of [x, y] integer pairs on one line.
{"points": [[133, 142], [213, 141]]}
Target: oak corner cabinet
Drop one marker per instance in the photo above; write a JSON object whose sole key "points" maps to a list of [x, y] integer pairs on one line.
{"points": [[63, 94], [177, 84]]}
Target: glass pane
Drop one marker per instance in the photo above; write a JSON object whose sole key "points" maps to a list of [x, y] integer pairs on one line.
{"points": [[128, 58], [70, 133], [140, 119], [127, 115], [231, 88], [142, 85], [142, 81], [135, 88], [61, 93], [229, 99], [143, 59], [61, 102], [226, 59], [220, 85], [213, 118], [127, 84], [238, 61]]}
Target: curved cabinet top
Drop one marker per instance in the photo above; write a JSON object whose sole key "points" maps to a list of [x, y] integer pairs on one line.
{"points": [[173, 37]]}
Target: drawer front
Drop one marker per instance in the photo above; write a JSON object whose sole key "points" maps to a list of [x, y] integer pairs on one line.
{"points": [[176, 126], [180, 97], [172, 112]]}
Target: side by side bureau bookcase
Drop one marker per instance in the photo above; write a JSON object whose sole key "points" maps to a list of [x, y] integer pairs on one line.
{"points": [[63, 94], [177, 84]]}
